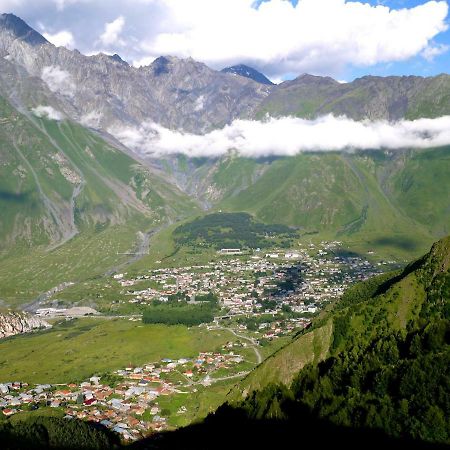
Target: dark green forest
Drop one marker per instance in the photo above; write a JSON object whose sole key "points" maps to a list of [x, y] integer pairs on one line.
{"points": [[51, 432], [189, 315], [231, 230]]}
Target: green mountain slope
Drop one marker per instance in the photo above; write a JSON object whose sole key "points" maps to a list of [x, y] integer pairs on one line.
{"points": [[375, 98], [402, 302], [397, 202], [71, 202]]}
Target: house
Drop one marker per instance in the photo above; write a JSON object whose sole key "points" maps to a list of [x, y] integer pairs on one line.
{"points": [[154, 410], [230, 251], [9, 412]]}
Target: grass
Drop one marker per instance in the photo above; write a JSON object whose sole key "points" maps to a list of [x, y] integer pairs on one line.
{"points": [[43, 163], [24, 277], [198, 404], [73, 351], [284, 364], [357, 198]]}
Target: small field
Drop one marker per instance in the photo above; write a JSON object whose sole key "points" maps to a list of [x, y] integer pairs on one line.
{"points": [[75, 350]]}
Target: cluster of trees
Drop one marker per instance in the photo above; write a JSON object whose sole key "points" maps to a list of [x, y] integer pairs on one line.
{"points": [[182, 299], [189, 315], [399, 384], [210, 297], [252, 323], [40, 432], [231, 230]]}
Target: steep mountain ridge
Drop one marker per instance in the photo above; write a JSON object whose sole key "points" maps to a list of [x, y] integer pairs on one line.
{"points": [[243, 70], [73, 205], [105, 92], [69, 179], [375, 98], [16, 28]]}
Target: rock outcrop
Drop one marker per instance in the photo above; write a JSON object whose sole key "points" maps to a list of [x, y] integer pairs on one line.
{"points": [[12, 323]]}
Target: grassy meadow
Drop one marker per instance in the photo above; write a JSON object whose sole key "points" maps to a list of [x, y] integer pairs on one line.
{"points": [[74, 350]]}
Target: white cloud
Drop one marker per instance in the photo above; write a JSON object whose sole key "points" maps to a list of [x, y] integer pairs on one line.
{"points": [[9, 5], [111, 35], [433, 50], [199, 103], [61, 4], [58, 80], [287, 136], [91, 119], [144, 61], [47, 111], [62, 38], [315, 36], [326, 37]]}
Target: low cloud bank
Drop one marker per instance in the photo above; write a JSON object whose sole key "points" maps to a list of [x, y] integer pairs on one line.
{"points": [[91, 119], [58, 80], [48, 112], [287, 136]]}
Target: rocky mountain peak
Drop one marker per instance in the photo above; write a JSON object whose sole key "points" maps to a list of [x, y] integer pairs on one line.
{"points": [[118, 59], [248, 72], [164, 65], [160, 66], [20, 30], [307, 78]]}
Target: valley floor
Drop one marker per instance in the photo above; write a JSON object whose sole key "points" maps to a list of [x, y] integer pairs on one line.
{"points": [[137, 378]]}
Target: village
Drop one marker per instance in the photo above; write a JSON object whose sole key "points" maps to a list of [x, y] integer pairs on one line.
{"points": [[127, 400], [301, 281], [260, 297]]}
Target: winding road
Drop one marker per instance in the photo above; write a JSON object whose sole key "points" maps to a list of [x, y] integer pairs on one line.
{"points": [[249, 339]]}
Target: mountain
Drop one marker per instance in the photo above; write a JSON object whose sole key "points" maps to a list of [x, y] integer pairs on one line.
{"points": [[68, 195], [372, 371], [67, 180], [369, 97], [248, 72], [394, 202], [18, 29], [106, 93]]}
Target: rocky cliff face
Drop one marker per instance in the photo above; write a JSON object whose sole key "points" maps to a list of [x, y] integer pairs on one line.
{"points": [[103, 91], [12, 323]]}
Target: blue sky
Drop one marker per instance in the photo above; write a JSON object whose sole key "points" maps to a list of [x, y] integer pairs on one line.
{"points": [[282, 38], [416, 65]]}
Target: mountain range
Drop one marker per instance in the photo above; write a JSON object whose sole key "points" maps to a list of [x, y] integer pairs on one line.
{"points": [[76, 204], [71, 189]]}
